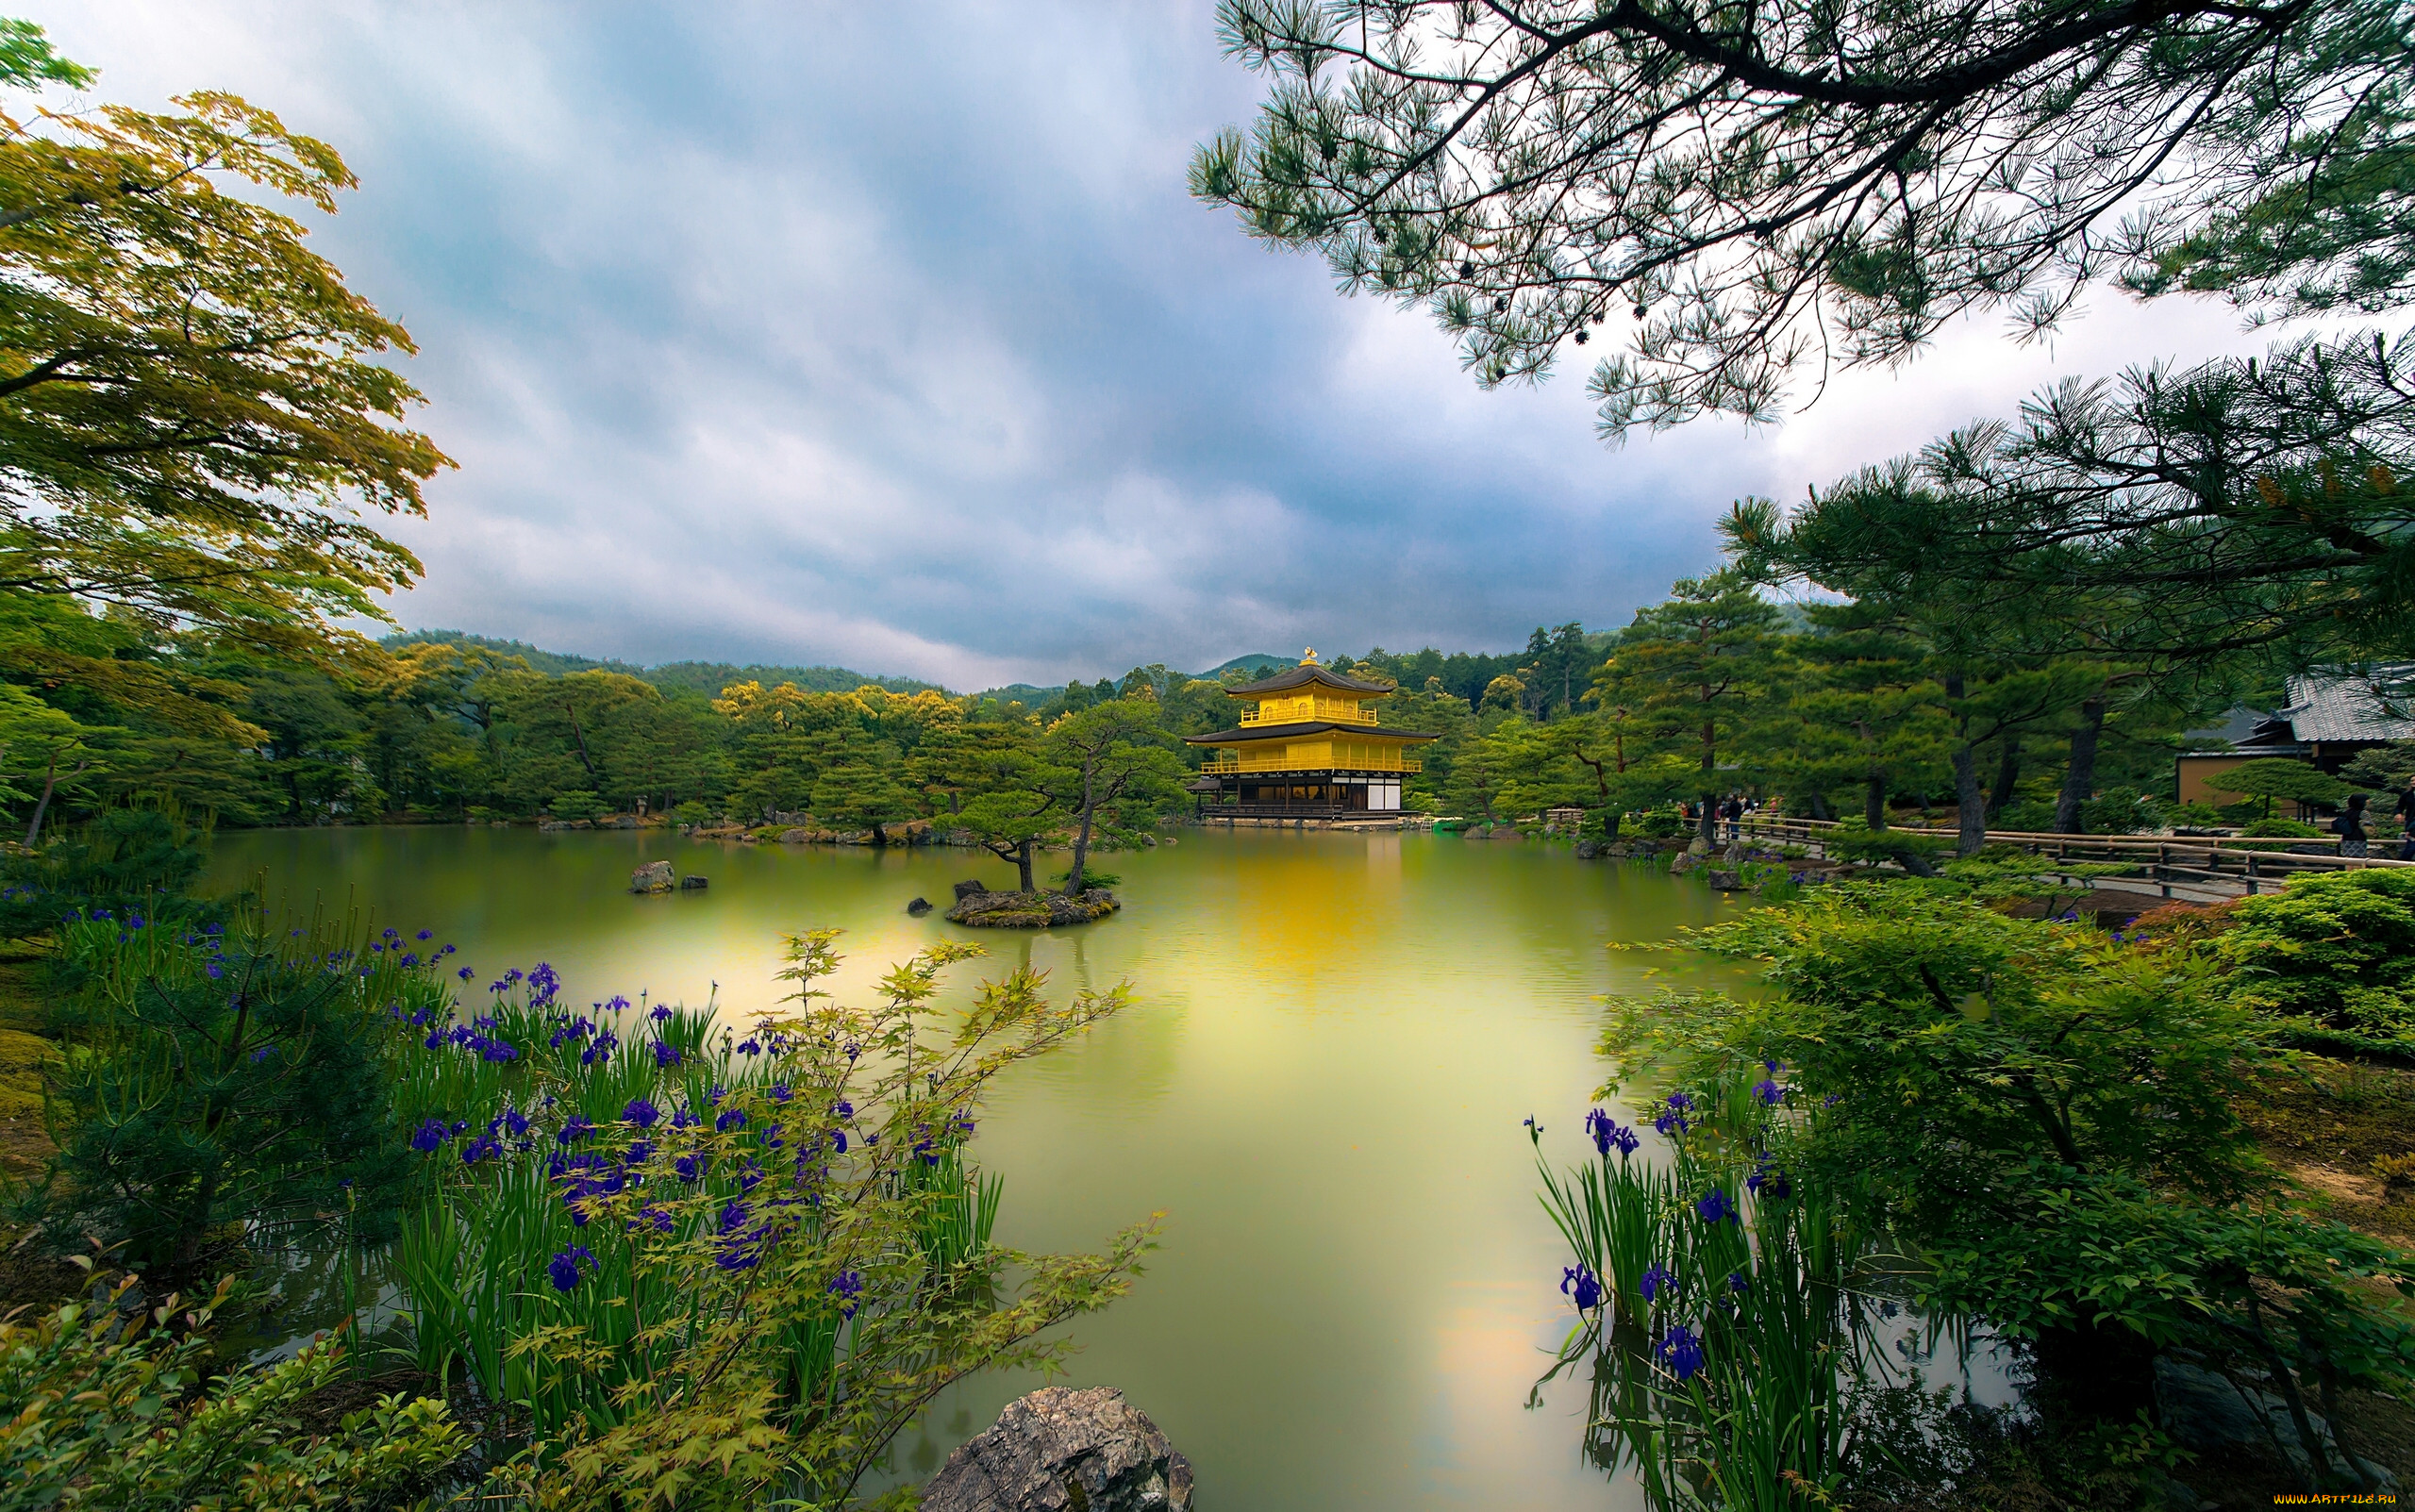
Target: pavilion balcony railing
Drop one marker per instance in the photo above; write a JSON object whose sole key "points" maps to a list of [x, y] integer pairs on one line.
{"points": [[1333, 713], [1222, 765]]}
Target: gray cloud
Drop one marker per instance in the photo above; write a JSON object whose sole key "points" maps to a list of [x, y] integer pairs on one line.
{"points": [[889, 338]]}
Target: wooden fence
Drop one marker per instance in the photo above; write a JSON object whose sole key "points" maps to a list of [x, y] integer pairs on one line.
{"points": [[2191, 869]]}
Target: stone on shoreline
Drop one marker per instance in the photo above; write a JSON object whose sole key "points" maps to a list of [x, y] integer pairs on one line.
{"points": [[1061, 1449], [1031, 910]]}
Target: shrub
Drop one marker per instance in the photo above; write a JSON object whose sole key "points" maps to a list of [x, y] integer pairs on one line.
{"points": [[2045, 1121], [134, 858], [2120, 811], [99, 1409], [218, 1076], [575, 804], [2334, 951]]}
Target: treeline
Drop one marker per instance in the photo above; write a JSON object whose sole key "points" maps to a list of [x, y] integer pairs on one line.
{"points": [[1716, 690], [447, 725]]}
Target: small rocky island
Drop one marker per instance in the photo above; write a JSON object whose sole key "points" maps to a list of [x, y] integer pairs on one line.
{"points": [[976, 905]]}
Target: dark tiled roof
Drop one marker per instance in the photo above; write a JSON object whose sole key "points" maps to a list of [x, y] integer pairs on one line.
{"points": [[1301, 676], [1278, 732], [2326, 705]]}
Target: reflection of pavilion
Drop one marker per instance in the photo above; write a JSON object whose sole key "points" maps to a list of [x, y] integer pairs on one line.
{"points": [[1312, 749]]}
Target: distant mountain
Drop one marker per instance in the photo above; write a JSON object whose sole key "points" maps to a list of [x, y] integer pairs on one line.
{"points": [[552, 663], [713, 676], [1255, 661], [1020, 694], [1034, 695], [707, 678]]}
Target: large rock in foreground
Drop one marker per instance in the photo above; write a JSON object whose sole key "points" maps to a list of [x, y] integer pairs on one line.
{"points": [[1031, 910], [1059, 1449]]}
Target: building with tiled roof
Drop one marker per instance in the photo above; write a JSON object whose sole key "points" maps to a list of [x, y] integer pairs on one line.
{"points": [[1312, 748], [2330, 717]]}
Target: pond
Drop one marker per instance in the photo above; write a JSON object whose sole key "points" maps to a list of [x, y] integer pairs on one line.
{"points": [[1321, 1085]]}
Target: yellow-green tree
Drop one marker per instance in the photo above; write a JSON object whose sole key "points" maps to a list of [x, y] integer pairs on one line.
{"points": [[198, 419]]}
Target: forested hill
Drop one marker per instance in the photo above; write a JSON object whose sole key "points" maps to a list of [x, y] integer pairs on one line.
{"points": [[705, 677]]}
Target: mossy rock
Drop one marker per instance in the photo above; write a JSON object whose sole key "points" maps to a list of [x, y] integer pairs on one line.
{"points": [[1032, 910]]}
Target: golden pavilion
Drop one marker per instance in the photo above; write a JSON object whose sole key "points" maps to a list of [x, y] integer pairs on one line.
{"points": [[1310, 749]]}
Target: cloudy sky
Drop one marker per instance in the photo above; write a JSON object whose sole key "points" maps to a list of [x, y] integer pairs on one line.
{"points": [[886, 336]]}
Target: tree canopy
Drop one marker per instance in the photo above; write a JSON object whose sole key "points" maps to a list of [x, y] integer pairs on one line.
{"points": [[2192, 514], [1751, 190], [197, 418]]}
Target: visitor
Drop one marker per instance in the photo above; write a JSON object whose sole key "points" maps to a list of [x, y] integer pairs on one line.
{"points": [[2405, 814], [1732, 811], [2350, 826]]}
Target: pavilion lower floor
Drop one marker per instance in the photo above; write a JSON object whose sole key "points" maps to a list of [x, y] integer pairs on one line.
{"points": [[1297, 795]]}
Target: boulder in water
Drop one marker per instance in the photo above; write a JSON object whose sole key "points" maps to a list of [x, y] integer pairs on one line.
{"points": [[919, 908], [655, 876], [692, 884], [1058, 1449]]}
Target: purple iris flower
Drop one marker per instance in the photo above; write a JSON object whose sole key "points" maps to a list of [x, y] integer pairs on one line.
{"points": [[1716, 1208], [1608, 1135], [1656, 1280], [847, 1286], [665, 1052], [1582, 1286], [563, 1268], [1769, 1092], [1681, 1352], [640, 1113]]}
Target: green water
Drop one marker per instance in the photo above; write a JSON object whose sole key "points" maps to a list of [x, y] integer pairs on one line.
{"points": [[1322, 1085]]}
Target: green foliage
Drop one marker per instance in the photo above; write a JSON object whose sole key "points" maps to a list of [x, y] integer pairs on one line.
{"points": [[2065, 530], [2271, 777], [2046, 1121], [1510, 168], [2009, 873], [2279, 829], [99, 1407], [126, 859], [2335, 951], [1914, 851], [2121, 810], [577, 804], [200, 411], [222, 1076], [28, 61], [2384, 768]]}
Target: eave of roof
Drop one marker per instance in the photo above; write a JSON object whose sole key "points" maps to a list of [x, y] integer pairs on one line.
{"points": [[1251, 734]]}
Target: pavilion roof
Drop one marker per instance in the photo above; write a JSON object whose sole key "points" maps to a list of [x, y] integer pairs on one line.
{"points": [[1304, 674]]}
